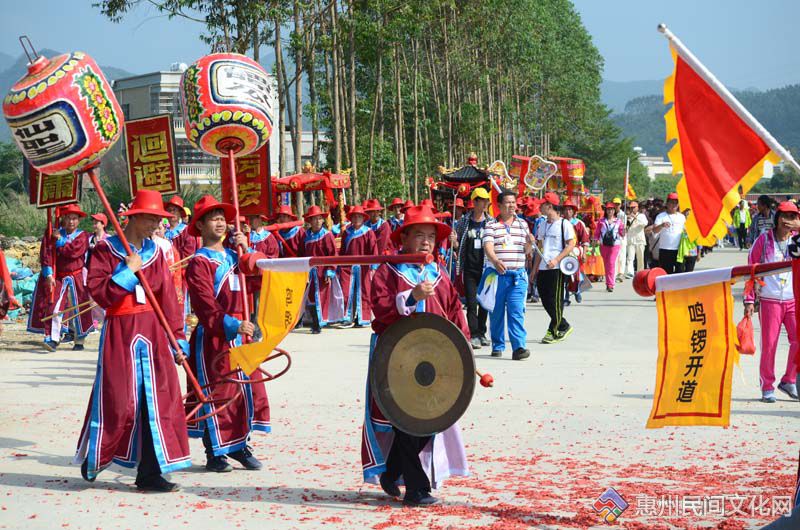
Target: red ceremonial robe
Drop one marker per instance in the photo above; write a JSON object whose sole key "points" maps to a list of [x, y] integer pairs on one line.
{"points": [[318, 244], [391, 288], [356, 280], [70, 287], [213, 282], [135, 367], [292, 243], [261, 241], [383, 235]]}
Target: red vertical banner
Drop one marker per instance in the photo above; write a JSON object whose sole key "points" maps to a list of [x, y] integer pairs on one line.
{"points": [[31, 175], [150, 146], [56, 190], [252, 172]]}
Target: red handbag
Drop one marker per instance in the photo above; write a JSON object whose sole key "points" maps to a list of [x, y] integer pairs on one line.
{"points": [[744, 330]]}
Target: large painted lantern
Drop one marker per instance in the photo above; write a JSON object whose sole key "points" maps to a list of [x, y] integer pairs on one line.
{"points": [[63, 114], [227, 104]]}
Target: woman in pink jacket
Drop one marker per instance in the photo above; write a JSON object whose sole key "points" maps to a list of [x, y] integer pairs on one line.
{"points": [[609, 232], [776, 298]]}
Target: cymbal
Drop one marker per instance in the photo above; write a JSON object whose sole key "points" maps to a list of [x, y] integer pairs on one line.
{"points": [[422, 374]]}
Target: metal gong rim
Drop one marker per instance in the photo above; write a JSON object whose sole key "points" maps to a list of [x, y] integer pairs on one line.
{"points": [[422, 374]]}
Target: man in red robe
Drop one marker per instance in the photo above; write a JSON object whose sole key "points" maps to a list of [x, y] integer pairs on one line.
{"points": [[357, 239], [291, 239], [398, 291], [319, 241], [396, 207], [61, 283], [213, 280], [135, 412], [376, 223], [184, 243], [261, 240]]}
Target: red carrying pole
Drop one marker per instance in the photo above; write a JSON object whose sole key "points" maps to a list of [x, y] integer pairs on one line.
{"points": [[179, 357], [51, 241], [238, 226], [422, 259]]}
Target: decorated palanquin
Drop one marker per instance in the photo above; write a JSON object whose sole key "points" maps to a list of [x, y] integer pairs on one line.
{"points": [[457, 182]]}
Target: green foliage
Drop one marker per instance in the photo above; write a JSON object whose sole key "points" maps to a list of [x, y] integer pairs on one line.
{"points": [[11, 177], [663, 185], [18, 218], [786, 180]]}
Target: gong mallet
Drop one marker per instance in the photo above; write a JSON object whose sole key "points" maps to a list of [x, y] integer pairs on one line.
{"points": [[486, 378], [180, 358], [72, 308], [79, 313]]}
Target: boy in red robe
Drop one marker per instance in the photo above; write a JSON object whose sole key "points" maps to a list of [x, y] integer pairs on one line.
{"points": [[376, 223], [213, 280], [319, 241], [135, 412], [291, 239], [184, 243], [357, 239], [398, 291], [61, 283], [397, 209]]}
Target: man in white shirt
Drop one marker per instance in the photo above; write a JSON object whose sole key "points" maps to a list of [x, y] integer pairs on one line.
{"points": [[556, 239], [637, 222], [669, 228]]}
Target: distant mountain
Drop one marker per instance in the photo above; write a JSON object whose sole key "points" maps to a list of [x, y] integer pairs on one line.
{"points": [[616, 94], [6, 60], [17, 68], [778, 110]]}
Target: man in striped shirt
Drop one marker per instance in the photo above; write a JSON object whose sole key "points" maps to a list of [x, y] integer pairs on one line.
{"points": [[507, 242]]}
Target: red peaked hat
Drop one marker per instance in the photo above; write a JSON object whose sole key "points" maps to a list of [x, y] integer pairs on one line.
{"points": [[357, 209], [314, 211], [175, 200], [421, 215], [206, 204], [71, 208], [285, 209], [406, 205], [147, 202], [397, 201], [372, 205]]}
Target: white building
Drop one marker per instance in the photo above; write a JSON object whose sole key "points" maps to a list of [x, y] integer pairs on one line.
{"points": [[656, 165]]}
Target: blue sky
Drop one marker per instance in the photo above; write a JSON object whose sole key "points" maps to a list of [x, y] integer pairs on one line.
{"points": [[746, 43]]}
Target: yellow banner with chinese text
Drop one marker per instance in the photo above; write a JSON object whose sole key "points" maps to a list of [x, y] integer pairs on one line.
{"points": [[279, 307], [696, 355]]}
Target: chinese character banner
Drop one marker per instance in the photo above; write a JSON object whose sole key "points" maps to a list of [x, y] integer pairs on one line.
{"points": [[151, 155], [57, 190], [696, 355], [251, 181]]}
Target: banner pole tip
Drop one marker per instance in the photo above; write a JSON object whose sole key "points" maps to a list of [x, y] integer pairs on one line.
{"points": [[662, 28]]}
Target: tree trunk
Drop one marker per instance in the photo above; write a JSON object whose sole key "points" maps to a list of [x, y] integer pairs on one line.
{"points": [[401, 162], [378, 97], [297, 140], [353, 146], [281, 100], [337, 118], [416, 120]]}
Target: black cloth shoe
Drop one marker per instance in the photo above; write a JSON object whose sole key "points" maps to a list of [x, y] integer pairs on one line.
{"points": [[218, 464], [485, 341], [156, 483], [520, 353], [85, 471], [78, 347], [496, 353], [419, 498], [389, 487], [246, 458], [316, 331]]}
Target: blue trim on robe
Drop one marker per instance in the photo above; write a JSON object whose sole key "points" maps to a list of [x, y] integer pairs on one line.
{"points": [[312, 237], [289, 233], [370, 427], [64, 239], [94, 418], [172, 233], [395, 222], [376, 225], [352, 315], [350, 233], [257, 236]]}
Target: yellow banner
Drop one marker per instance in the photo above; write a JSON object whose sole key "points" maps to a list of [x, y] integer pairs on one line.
{"points": [[279, 308], [696, 354]]}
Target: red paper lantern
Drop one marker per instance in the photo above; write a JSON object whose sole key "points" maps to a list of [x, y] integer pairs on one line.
{"points": [[63, 114], [227, 104]]}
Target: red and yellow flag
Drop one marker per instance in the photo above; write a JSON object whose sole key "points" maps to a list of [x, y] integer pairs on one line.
{"points": [[696, 356], [629, 193], [716, 151]]}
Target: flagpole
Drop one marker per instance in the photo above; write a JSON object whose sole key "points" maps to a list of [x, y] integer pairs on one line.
{"points": [[729, 98]]}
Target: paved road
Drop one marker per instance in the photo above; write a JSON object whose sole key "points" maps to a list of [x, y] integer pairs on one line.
{"points": [[555, 432]]}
